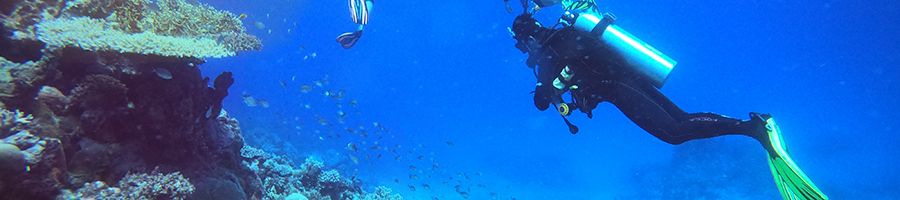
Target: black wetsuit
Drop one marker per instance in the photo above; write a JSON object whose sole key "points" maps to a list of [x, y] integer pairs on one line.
{"points": [[601, 77]]}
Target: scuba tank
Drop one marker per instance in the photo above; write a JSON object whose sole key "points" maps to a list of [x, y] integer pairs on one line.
{"points": [[640, 56]]}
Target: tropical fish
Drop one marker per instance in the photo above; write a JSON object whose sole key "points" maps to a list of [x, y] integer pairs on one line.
{"points": [[163, 73], [351, 147], [248, 100], [242, 16], [305, 88], [262, 102], [354, 159]]}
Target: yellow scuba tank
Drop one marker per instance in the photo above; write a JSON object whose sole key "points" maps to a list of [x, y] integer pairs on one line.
{"points": [[640, 56]]}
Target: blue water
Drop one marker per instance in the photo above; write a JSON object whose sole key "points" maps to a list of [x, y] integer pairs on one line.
{"points": [[451, 93]]}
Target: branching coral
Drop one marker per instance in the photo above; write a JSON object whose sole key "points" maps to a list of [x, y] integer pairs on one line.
{"points": [[137, 187], [13, 121], [179, 18], [156, 186], [281, 180], [125, 13], [176, 29], [21, 15], [382, 193], [98, 35]]}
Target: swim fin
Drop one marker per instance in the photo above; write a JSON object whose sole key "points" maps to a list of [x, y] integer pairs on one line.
{"points": [[349, 39], [792, 183]]}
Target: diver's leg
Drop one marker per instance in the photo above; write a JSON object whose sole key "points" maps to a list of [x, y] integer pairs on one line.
{"points": [[655, 113]]}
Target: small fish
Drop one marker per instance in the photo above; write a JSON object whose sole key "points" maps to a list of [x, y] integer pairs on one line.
{"points": [[412, 167], [421, 157], [249, 100], [426, 186], [449, 143], [354, 103], [242, 16], [338, 95], [282, 83], [465, 195], [354, 159], [318, 83], [341, 113], [264, 103], [259, 25], [351, 147], [413, 176], [163, 73], [307, 106], [323, 121], [396, 180], [412, 187], [305, 88]]}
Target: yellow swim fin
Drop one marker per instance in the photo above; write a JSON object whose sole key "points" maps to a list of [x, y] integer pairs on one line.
{"points": [[792, 183]]}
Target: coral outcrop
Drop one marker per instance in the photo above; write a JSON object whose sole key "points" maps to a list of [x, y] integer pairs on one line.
{"points": [[281, 180], [173, 28], [104, 99], [136, 187]]}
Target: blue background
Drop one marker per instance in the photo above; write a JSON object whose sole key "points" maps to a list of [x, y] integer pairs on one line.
{"points": [[444, 80]]}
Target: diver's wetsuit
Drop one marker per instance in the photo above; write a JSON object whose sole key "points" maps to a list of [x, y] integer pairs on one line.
{"points": [[599, 77]]}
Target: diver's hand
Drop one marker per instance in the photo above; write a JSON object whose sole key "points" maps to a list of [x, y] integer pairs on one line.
{"points": [[542, 97]]}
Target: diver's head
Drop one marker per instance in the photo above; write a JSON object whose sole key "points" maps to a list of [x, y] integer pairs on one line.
{"points": [[523, 30]]}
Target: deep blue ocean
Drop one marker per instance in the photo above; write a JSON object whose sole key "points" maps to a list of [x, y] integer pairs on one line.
{"points": [[435, 100]]}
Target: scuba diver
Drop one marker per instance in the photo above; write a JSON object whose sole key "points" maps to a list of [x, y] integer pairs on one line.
{"points": [[359, 13], [594, 60]]}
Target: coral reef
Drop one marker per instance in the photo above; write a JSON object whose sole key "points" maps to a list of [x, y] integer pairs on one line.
{"points": [[13, 121], [23, 14], [172, 28], [136, 187], [45, 170], [281, 180], [86, 111], [179, 18], [97, 35]]}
